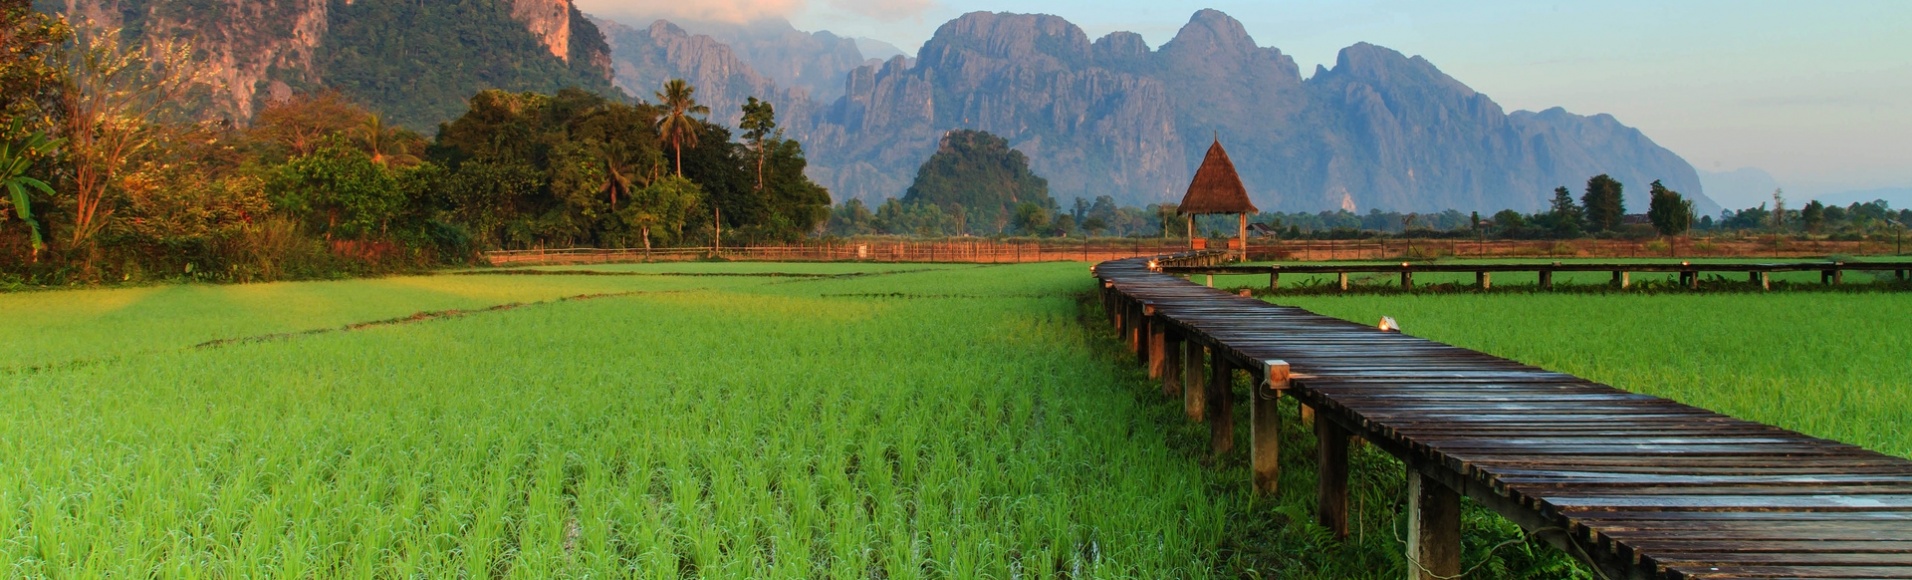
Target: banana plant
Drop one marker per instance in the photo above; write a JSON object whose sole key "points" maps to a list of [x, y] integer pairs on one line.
{"points": [[15, 159]]}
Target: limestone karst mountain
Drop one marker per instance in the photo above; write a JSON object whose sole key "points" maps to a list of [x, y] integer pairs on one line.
{"points": [[1111, 116]]}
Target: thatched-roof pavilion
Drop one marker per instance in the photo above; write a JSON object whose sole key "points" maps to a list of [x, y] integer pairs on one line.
{"points": [[1217, 189]]}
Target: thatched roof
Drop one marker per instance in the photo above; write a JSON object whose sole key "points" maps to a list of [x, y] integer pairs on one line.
{"points": [[1216, 188]]}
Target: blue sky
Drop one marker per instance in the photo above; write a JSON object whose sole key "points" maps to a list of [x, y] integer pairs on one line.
{"points": [[1819, 94]]}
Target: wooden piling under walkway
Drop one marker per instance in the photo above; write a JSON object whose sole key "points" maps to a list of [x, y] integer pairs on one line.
{"points": [[1635, 486]]}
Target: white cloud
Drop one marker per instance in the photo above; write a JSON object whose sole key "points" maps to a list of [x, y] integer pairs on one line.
{"points": [[885, 10], [737, 11]]}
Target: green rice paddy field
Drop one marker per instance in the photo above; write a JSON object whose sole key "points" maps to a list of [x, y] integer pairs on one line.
{"points": [[769, 420]]}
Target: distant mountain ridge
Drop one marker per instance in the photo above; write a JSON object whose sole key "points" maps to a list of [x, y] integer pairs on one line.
{"points": [[1112, 117]]}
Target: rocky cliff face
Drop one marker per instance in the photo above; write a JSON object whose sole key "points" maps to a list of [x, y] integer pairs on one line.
{"points": [[255, 50], [549, 21], [645, 58], [248, 45], [1379, 130]]}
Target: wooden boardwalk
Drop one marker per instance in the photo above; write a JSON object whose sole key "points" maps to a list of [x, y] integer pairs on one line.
{"points": [[1635, 486]]}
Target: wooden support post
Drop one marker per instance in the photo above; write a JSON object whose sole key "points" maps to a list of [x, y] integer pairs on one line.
{"points": [[1134, 327], [1692, 279], [1838, 276], [1407, 280], [1157, 339], [1274, 279], [1342, 280], [1765, 281], [1221, 403], [1195, 392], [1211, 281], [1172, 365], [1546, 279], [1108, 303], [1433, 529], [1331, 488], [1484, 279], [1264, 426]]}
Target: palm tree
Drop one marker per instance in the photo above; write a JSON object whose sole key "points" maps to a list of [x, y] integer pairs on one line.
{"points": [[383, 142], [15, 159], [677, 127], [617, 176]]}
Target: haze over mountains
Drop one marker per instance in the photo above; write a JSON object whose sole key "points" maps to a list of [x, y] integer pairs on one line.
{"points": [[1113, 117], [1109, 116]]}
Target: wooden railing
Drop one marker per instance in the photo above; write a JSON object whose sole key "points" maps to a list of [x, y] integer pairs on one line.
{"points": [[1831, 272], [983, 252]]}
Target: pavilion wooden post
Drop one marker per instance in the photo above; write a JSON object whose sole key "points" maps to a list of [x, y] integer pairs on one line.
{"points": [[1274, 279], [1172, 363], [1484, 279], [1244, 237], [1194, 392], [1331, 487], [1191, 231], [1264, 426], [1221, 403], [1433, 528]]}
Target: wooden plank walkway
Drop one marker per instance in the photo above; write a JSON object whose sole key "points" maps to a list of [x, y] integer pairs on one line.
{"points": [[1635, 486]]}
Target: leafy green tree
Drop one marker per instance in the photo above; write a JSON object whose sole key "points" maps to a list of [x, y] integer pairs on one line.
{"points": [[1814, 216], [794, 205], [31, 70], [1032, 218], [1604, 203], [115, 106], [759, 124], [302, 123], [338, 191], [15, 159], [659, 210], [679, 125], [1507, 221], [852, 218], [1670, 213], [1564, 217]]}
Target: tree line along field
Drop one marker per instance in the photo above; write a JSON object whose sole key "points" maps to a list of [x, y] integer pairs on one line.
{"points": [[758, 420]]}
